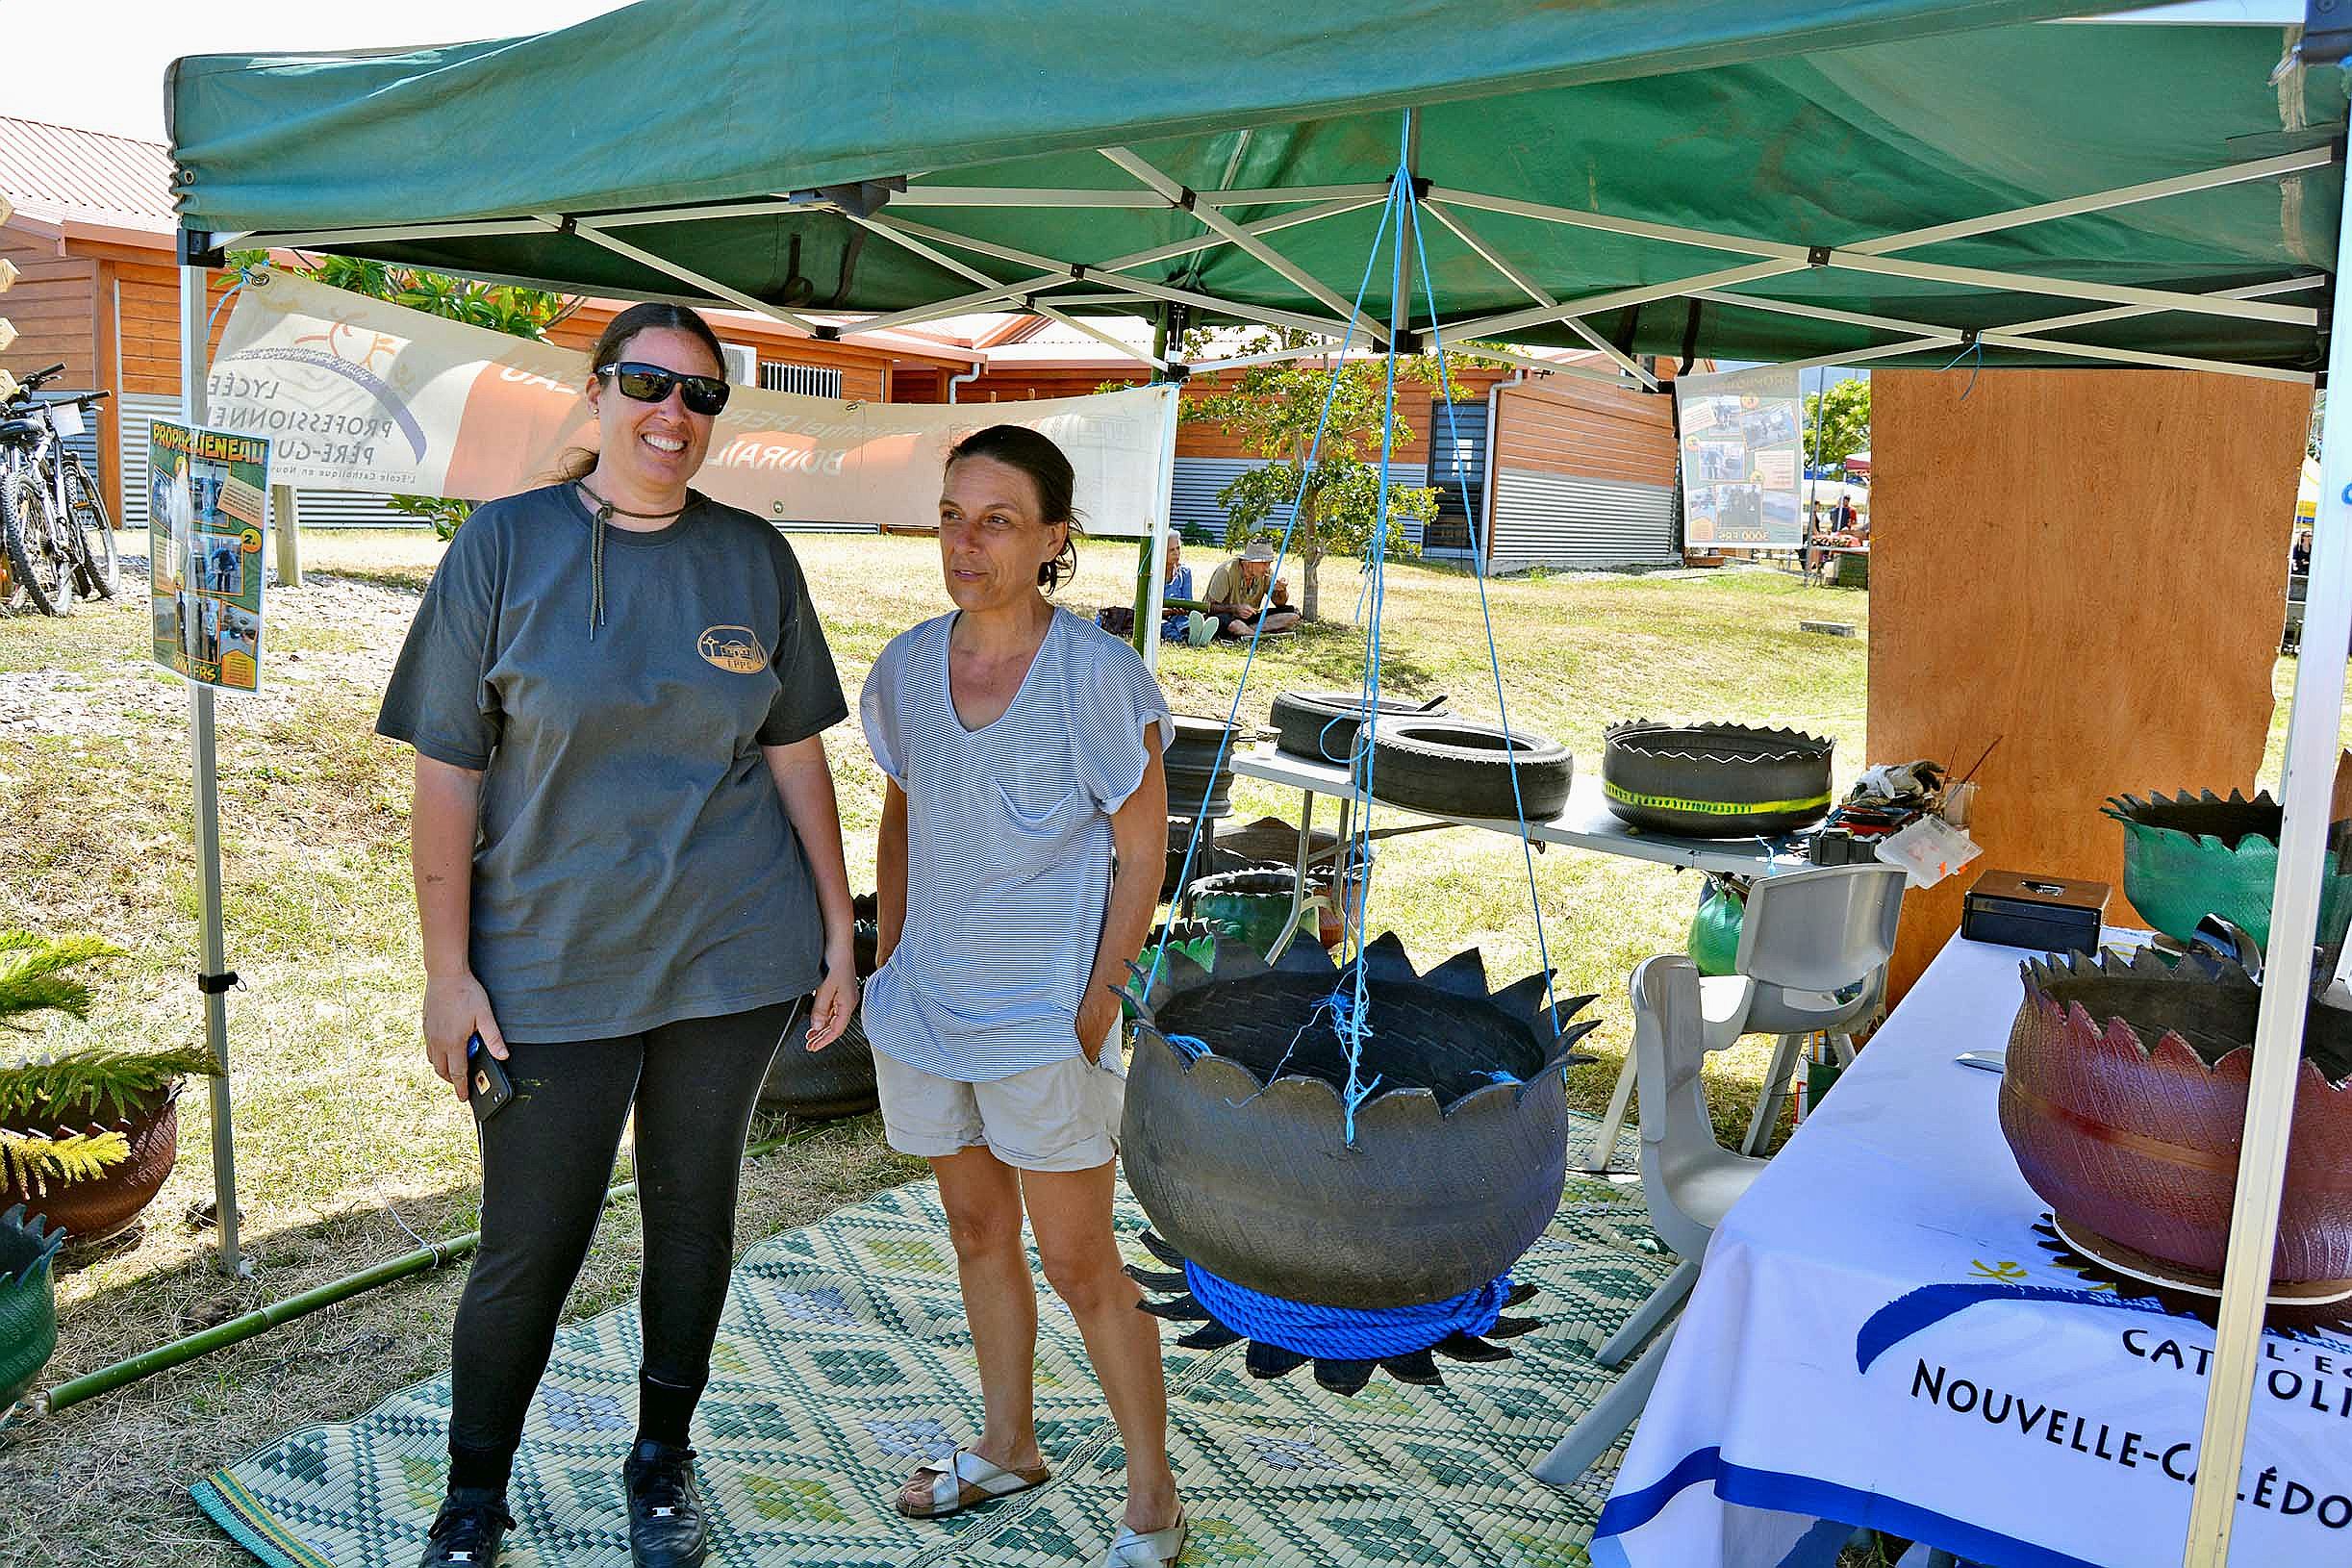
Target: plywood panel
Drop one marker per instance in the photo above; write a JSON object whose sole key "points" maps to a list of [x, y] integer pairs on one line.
{"points": [[2090, 567], [1586, 433]]}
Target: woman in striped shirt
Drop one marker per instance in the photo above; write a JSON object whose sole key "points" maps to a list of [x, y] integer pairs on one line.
{"points": [[1022, 748]]}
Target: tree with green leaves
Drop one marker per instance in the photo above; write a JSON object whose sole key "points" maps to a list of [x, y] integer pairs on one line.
{"points": [[1274, 410], [1839, 419], [502, 307]]}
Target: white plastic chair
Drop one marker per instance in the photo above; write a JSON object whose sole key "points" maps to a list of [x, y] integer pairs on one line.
{"points": [[1689, 1182], [1806, 938]]}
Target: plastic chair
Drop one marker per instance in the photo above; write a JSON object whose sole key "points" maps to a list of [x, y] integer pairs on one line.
{"points": [[1806, 940], [1688, 1181]]}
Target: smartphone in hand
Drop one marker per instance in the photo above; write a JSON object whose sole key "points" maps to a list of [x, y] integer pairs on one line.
{"points": [[488, 1090]]}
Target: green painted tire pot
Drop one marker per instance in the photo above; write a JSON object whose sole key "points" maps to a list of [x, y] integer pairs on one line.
{"points": [[2188, 856], [28, 1303]]}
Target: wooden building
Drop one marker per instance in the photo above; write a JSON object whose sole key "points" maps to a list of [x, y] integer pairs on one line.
{"points": [[1583, 475], [98, 288]]}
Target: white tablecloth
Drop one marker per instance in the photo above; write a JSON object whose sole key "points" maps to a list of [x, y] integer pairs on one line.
{"points": [[1879, 1337]]}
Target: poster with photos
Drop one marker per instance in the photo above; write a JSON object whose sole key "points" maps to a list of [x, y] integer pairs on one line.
{"points": [[1742, 438], [207, 509]]}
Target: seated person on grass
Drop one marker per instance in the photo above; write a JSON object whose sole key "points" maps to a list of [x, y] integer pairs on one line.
{"points": [[1245, 591], [1179, 586]]}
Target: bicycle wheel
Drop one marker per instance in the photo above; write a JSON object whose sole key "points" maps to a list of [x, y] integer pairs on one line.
{"points": [[29, 539], [92, 534]]}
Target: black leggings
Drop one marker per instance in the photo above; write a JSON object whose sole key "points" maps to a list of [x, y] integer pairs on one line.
{"points": [[546, 1162]]}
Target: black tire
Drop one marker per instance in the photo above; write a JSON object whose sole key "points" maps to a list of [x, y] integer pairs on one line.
{"points": [[837, 1081], [1455, 768], [1716, 781], [1194, 774], [36, 563], [92, 532], [1322, 726]]}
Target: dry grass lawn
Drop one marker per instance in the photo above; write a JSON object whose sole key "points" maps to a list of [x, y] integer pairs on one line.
{"points": [[348, 1150]]}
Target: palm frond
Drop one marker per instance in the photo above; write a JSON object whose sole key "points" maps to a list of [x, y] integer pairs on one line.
{"points": [[31, 1160]]}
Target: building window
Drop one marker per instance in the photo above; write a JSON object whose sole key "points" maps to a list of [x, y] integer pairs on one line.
{"points": [[808, 380]]}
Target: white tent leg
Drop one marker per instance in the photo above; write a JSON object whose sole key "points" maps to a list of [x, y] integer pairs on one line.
{"points": [[194, 351], [2312, 746], [1162, 519]]}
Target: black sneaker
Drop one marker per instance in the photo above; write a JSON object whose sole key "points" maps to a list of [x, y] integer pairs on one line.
{"points": [[667, 1528], [467, 1531]]}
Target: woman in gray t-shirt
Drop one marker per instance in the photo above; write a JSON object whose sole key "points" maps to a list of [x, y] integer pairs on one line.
{"points": [[1022, 748], [628, 865]]}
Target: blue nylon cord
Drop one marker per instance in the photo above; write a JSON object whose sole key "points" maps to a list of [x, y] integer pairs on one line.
{"points": [[1343, 1334], [1494, 657], [1314, 454]]}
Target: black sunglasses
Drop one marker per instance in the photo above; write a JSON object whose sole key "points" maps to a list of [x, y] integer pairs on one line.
{"points": [[651, 384]]}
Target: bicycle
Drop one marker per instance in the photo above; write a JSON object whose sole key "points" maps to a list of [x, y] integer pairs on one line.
{"points": [[37, 461]]}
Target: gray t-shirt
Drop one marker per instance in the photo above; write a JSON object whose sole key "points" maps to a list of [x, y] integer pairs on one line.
{"points": [[1008, 845], [635, 865]]}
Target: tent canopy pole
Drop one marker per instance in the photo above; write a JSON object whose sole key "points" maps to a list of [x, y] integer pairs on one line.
{"points": [[195, 346], [2313, 746]]}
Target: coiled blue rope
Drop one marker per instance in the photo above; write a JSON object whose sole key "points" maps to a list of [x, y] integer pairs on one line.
{"points": [[1340, 1333]]}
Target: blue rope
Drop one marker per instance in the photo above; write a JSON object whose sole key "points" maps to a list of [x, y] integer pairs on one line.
{"points": [[1340, 1333], [1494, 657], [1257, 631], [1352, 1022]]}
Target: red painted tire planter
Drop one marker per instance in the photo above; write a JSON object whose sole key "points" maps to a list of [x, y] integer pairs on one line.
{"points": [[2123, 1099], [1241, 1159], [93, 1210]]}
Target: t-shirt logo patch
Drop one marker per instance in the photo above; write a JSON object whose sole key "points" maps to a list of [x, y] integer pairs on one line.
{"points": [[733, 648]]}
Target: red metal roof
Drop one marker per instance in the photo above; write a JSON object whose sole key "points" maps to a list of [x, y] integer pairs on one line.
{"points": [[54, 173]]}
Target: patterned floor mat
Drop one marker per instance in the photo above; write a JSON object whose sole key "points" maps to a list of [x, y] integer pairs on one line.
{"points": [[843, 1358]]}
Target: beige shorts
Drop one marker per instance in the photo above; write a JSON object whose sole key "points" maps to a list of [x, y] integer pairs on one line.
{"points": [[1063, 1116]]}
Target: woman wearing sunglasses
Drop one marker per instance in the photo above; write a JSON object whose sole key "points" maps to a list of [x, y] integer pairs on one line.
{"points": [[628, 865]]}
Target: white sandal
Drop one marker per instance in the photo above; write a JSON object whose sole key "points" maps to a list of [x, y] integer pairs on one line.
{"points": [[1148, 1549], [964, 1479]]}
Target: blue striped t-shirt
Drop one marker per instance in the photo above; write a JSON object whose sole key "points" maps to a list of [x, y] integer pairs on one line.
{"points": [[1008, 839]]}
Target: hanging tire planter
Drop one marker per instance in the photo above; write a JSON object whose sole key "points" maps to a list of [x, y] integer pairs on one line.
{"points": [[2124, 1100], [28, 1301], [837, 1081], [2188, 856], [1322, 726], [1451, 768], [1716, 781], [1358, 1237], [1200, 765], [100, 1208]]}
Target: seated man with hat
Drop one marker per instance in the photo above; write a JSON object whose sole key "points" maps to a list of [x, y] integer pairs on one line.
{"points": [[1245, 591]]}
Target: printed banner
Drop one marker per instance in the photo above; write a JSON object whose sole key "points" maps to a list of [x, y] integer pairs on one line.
{"points": [[1741, 438], [359, 395], [206, 508]]}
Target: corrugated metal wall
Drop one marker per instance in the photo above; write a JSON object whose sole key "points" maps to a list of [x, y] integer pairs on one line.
{"points": [[1553, 519], [1199, 479]]}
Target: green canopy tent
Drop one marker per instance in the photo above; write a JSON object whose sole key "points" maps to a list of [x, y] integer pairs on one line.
{"points": [[1902, 182]]}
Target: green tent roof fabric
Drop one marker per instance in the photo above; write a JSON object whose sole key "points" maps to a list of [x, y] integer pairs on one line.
{"points": [[1748, 120]]}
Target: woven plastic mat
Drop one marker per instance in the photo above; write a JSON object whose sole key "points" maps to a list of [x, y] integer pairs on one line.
{"points": [[843, 1361]]}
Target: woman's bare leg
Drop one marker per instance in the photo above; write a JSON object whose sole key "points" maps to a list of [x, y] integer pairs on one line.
{"points": [[982, 1198], [1070, 1212]]}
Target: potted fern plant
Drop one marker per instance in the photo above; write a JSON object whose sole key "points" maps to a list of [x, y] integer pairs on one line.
{"points": [[86, 1138]]}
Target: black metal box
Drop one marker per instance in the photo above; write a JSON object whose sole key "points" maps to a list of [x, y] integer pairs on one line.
{"points": [[2047, 914]]}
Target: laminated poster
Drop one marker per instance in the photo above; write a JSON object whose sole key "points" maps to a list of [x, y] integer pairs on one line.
{"points": [[1742, 433], [207, 501]]}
